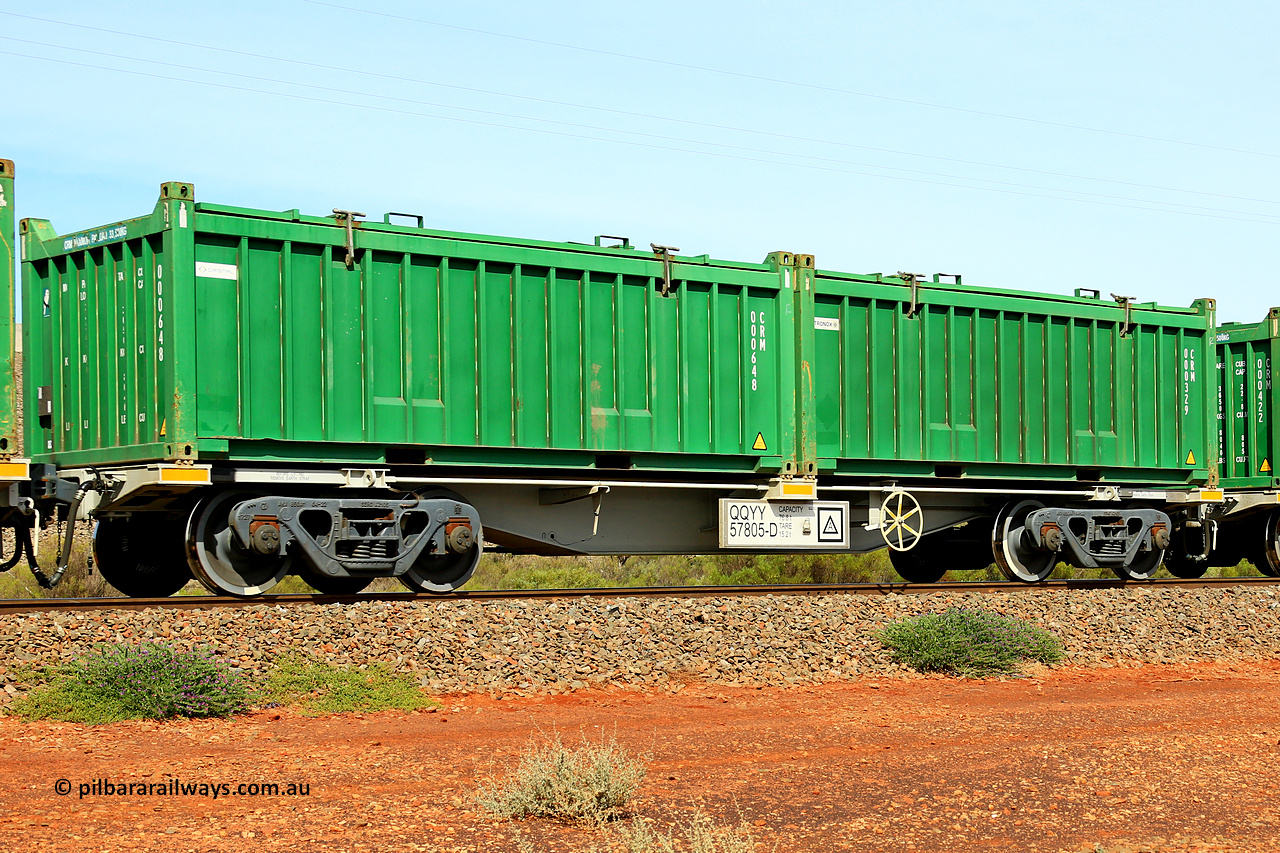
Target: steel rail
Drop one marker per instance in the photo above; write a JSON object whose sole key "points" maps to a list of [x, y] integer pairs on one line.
{"points": [[196, 602]]}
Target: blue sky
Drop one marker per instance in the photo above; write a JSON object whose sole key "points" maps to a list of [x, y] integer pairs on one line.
{"points": [[1133, 148]]}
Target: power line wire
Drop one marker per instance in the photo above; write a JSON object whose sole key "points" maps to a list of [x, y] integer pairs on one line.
{"points": [[615, 111], [1240, 218], [661, 137], [785, 82]]}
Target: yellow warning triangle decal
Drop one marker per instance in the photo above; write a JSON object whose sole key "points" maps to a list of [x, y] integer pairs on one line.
{"points": [[1191, 458], [759, 445], [162, 425], [1266, 465]]}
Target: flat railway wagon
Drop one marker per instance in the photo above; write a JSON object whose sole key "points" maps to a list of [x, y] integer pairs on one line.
{"points": [[242, 394]]}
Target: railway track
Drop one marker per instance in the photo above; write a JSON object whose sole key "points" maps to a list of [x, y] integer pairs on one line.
{"points": [[196, 602]]}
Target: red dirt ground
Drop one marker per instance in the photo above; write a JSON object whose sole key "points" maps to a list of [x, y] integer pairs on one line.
{"points": [[1120, 760]]}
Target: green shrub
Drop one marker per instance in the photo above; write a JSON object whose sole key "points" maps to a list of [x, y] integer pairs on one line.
{"points": [[587, 785], [568, 575], [701, 835], [322, 688], [147, 681], [969, 643]]}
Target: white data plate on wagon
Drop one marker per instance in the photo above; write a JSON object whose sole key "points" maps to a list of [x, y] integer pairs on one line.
{"points": [[779, 524]]}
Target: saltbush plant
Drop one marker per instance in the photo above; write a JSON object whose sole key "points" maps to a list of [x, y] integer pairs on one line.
{"points": [[322, 688], [147, 681], [969, 643], [701, 835], [586, 785]]}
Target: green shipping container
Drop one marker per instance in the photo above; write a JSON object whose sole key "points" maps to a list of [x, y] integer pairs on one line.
{"points": [[939, 379], [1246, 359], [205, 332]]}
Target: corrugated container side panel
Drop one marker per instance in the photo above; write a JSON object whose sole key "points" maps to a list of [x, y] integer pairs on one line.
{"points": [[304, 343], [100, 343], [567, 400], [217, 366], [101, 346], [1222, 357], [347, 395], [1146, 411], [1030, 381], [1125, 396], [386, 357], [411, 346], [1167, 388], [884, 363], [497, 356], [910, 395], [963, 383], [1245, 418], [1241, 448], [1079, 388], [727, 322], [663, 341], [1178, 435], [987, 421], [695, 351], [1055, 407], [425, 312], [1260, 410], [530, 309], [637, 370], [263, 336]]}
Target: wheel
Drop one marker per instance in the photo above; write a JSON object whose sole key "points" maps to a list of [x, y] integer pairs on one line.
{"points": [[329, 585], [218, 561], [901, 520], [443, 573], [1177, 558], [141, 556], [1013, 554], [1268, 559], [922, 564], [1144, 565], [938, 553], [1181, 566]]}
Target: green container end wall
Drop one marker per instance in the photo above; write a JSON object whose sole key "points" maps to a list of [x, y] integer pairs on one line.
{"points": [[1247, 417], [230, 332], [989, 383], [106, 327], [9, 443]]}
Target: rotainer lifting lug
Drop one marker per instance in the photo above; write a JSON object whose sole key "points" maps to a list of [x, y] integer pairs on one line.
{"points": [[664, 252], [913, 282], [1125, 302], [348, 218]]}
